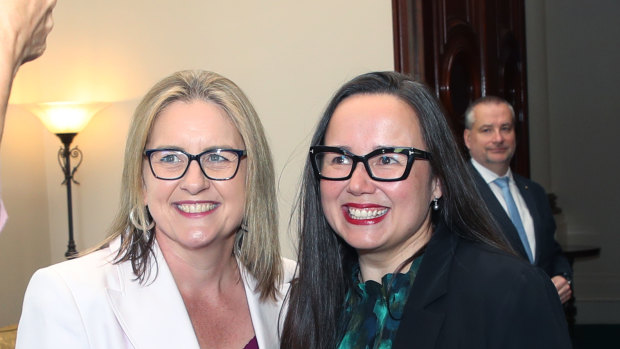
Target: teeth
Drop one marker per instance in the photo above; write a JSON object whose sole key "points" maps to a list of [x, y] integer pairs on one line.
{"points": [[366, 213], [196, 208]]}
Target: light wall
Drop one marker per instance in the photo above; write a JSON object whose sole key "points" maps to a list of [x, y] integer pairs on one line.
{"points": [[573, 71], [288, 56], [583, 55], [25, 240]]}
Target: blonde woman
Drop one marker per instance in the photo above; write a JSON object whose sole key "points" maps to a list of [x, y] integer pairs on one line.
{"points": [[193, 260]]}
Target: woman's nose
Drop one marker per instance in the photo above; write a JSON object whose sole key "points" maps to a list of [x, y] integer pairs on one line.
{"points": [[360, 181], [194, 181]]}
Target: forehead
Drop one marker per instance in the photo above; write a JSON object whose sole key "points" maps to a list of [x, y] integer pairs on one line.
{"points": [[365, 122], [194, 123], [492, 113]]}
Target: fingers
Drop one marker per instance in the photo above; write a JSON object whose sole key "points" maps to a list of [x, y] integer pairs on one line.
{"points": [[565, 293], [37, 44], [564, 288]]}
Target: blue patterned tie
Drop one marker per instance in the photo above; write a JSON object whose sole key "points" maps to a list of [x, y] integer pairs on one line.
{"points": [[502, 182]]}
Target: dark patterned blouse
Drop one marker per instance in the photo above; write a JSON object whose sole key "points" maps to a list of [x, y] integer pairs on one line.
{"points": [[373, 311]]}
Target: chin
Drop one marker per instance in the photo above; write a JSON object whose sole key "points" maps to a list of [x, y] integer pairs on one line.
{"points": [[364, 244]]}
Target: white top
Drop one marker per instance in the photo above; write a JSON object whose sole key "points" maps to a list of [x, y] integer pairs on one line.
{"points": [[528, 223], [89, 302]]}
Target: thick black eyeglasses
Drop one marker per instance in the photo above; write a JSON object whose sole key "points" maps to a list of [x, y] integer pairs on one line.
{"points": [[384, 164], [215, 164]]}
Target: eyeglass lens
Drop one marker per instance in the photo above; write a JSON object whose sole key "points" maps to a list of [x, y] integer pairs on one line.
{"points": [[172, 164], [384, 166]]}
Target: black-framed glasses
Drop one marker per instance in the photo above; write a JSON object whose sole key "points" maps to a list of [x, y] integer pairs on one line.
{"points": [[216, 164], [384, 164]]}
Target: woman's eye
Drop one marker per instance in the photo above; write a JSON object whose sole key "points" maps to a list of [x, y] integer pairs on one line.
{"points": [[169, 158], [387, 160], [340, 160], [215, 158]]}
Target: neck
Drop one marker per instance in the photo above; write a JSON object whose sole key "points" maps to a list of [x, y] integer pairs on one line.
{"points": [[374, 265], [201, 270], [499, 169]]}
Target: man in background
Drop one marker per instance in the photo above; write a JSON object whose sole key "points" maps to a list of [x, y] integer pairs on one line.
{"points": [[24, 25], [519, 206]]}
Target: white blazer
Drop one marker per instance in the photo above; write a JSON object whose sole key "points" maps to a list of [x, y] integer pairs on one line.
{"points": [[89, 302]]}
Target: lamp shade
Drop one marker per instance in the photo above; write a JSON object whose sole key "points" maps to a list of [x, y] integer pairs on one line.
{"points": [[66, 117]]}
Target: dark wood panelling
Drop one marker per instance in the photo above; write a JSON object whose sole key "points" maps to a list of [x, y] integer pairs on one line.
{"points": [[464, 49]]}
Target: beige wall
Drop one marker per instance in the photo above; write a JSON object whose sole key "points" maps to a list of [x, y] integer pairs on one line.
{"points": [[24, 243], [288, 56]]}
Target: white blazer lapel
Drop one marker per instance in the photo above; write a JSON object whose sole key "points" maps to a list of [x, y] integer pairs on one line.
{"points": [[265, 314], [152, 314]]}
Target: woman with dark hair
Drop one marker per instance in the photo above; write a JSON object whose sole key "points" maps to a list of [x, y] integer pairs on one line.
{"points": [[408, 205]]}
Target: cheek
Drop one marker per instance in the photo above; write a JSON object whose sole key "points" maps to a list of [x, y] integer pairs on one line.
{"points": [[330, 191], [414, 192], [483, 139], [157, 192], [232, 192], [237, 185], [512, 138], [238, 194]]}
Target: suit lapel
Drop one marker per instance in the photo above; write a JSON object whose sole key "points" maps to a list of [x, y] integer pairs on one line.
{"points": [[146, 311], [498, 212], [421, 324]]}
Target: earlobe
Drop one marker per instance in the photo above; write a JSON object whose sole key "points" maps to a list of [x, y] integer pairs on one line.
{"points": [[437, 193]]}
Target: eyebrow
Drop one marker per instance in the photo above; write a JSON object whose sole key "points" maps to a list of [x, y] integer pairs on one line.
{"points": [[492, 125], [348, 148], [176, 147]]}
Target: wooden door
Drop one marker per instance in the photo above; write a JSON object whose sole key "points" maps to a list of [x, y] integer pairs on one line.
{"points": [[464, 49]]}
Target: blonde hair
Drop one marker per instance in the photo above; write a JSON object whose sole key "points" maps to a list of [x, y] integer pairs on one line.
{"points": [[256, 242]]}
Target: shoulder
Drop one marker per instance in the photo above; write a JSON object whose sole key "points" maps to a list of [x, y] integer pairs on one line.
{"points": [[478, 253], [520, 297], [479, 266], [89, 271], [528, 183], [59, 291]]}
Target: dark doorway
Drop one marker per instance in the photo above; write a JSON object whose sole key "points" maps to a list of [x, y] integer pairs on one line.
{"points": [[465, 49]]}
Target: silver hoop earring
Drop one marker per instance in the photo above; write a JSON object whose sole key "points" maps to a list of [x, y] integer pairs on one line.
{"points": [[436, 204], [142, 226]]}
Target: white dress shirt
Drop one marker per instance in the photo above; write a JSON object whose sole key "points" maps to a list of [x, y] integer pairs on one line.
{"points": [[528, 223]]}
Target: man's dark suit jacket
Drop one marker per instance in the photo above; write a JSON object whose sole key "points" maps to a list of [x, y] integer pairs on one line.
{"points": [[471, 296], [548, 254]]}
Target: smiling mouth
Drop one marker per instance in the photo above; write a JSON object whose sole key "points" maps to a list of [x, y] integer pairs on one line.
{"points": [[366, 213], [196, 208]]}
